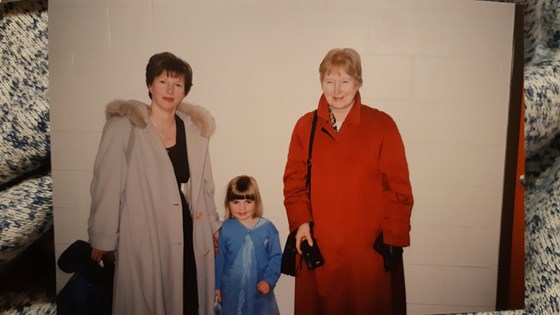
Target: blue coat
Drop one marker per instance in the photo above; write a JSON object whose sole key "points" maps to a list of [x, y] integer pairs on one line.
{"points": [[248, 256]]}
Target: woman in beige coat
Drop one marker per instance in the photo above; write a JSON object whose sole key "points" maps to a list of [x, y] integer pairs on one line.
{"points": [[153, 198]]}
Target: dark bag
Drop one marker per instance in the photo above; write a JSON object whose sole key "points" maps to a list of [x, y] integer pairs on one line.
{"points": [[289, 265], [289, 255], [392, 255], [90, 289], [311, 254]]}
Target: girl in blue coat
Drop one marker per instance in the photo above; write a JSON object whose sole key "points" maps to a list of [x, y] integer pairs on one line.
{"points": [[248, 262]]}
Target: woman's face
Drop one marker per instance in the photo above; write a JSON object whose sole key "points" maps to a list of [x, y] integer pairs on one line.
{"points": [[339, 89], [167, 92], [242, 209]]}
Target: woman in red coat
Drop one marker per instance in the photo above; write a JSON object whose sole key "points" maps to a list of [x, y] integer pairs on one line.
{"points": [[359, 188]]}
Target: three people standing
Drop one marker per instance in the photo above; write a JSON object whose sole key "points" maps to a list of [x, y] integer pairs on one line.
{"points": [[153, 200]]}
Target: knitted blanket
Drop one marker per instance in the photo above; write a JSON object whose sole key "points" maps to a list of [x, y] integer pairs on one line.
{"points": [[25, 182], [25, 186], [542, 150]]}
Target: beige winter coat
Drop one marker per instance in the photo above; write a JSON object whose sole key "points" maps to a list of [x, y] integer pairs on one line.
{"points": [[136, 209]]}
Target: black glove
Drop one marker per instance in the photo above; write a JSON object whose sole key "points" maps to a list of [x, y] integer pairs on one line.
{"points": [[391, 254]]}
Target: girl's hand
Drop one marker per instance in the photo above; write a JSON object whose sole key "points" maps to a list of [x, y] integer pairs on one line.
{"points": [[263, 287], [303, 233], [216, 239], [219, 296]]}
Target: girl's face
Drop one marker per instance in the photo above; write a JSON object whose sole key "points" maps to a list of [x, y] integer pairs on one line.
{"points": [[242, 209], [339, 89], [167, 92]]}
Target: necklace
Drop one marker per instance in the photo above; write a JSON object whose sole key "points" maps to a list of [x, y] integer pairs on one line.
{"points": [[157, 128], [163, 138]]}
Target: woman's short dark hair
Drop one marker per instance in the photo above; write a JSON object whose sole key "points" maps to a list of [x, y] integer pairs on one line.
{"points": [[174, 66]]}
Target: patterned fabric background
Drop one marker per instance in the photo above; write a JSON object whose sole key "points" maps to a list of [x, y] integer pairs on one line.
{"points": [[25, 189], [25, 182], [542, 149]]}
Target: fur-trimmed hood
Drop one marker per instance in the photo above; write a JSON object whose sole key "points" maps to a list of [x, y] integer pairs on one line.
{"points": [[137, 112]]}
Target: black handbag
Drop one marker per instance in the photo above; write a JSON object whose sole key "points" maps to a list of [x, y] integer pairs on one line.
{"points": [[289, 264], [90, 289], [311, 255], [289, 255]]}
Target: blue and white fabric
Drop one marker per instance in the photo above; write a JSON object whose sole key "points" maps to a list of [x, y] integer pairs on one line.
{"points": [[248, 256]]}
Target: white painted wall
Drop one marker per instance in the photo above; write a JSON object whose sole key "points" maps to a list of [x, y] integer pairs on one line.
{"points": [[441, 68]]}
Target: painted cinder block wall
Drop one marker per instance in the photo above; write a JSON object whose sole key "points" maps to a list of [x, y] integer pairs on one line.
{"points": [[441, 68]]}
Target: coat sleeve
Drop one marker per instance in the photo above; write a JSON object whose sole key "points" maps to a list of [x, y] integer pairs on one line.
{"points": [[209, 190], [397, 191], [272, 271], [296, 197], [107, 185], [220, 262]]}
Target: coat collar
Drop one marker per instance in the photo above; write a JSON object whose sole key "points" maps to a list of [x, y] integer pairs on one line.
{"points": [[137, 112], [353, 116]]}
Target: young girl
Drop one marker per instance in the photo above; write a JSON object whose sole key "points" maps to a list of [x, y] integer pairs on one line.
{"points": [[248, 262]]}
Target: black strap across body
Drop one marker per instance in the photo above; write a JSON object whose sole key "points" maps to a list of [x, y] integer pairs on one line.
{"points": [[311, 254]]}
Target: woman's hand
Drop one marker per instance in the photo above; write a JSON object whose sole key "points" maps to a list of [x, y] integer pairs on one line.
{"points": [[97, 255], [303, 233], [263, 287], [219, 296]]}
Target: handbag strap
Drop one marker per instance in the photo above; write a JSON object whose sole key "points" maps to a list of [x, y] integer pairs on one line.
{"points": [[311, 136], [308, 180]]}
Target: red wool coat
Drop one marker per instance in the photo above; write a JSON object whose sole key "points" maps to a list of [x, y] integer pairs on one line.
{"points": [[359, 187]]}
